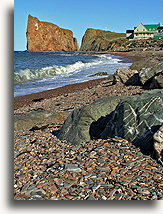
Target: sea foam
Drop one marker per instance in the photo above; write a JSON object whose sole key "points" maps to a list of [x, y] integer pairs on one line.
{"points": [[26, 75]]}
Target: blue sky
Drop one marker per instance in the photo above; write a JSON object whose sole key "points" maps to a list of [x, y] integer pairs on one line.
{"points": [[78, 15]]}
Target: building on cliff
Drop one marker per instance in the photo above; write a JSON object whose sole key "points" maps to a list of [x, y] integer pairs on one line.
{"points": [[144, 32], [45, 36]]}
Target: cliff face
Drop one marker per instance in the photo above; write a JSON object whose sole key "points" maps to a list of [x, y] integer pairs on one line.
{"points": [[45, 36], [100, 40]]}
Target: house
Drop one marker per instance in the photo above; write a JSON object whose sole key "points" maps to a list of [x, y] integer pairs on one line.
{"points": [[144, 31]]}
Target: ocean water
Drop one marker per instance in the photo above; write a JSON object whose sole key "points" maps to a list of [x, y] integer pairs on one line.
{"points": [[36, 72]]}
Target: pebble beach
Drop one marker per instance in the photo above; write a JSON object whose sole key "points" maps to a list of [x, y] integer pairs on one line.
{"points": [[46, 168]]}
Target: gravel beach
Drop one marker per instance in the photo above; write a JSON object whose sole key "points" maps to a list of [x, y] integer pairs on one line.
{"points": [[46, 168]]}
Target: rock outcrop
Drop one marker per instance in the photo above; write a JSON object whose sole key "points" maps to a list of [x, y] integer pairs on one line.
{"points": [[135, 118], [45, 36], [148, 74], [100, 40]]}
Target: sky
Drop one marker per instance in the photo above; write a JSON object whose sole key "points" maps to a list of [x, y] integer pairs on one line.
{"points": [[78, 15]]}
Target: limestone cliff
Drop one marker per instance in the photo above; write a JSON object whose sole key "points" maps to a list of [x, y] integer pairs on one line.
{"points": [[45, 36], [100, 40]]}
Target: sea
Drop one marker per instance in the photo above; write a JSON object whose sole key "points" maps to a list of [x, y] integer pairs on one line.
{"points": [[41, 71]]}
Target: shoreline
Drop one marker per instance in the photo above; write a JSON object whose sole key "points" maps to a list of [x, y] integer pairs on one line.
{"points": [[35, 97], [25, 100]]}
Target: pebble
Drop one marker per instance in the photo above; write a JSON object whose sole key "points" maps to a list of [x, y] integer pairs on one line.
{"points": [[56, 170]]}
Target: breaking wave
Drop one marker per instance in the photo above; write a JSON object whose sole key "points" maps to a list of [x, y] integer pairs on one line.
{"points": [[26, 75]]}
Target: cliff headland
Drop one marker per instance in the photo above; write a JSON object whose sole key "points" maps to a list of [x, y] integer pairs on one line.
{"points": [[45, 36]]}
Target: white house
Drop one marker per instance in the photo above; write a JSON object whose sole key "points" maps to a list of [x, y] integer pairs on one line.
{"points": [[143, 31]]}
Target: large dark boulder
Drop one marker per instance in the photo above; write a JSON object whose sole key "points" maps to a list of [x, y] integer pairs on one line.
{"points": [[76, 128], [135, 118]]}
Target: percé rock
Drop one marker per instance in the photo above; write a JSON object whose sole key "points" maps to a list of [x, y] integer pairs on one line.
{"points": [[135, 118], [45, 36], [100, 40]]}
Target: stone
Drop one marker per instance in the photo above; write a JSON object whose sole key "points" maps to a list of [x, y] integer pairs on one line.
{"points": [[45, 36], [127, 76], [37, 118], [146, 73], [157, 81], [158, 144], [76, 128], [136, 119], [99, 74], [148, 76], [72, 167]]}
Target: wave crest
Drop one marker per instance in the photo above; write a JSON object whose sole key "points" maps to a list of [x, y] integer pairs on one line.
{"points": [[26, 75], [51, 71]]}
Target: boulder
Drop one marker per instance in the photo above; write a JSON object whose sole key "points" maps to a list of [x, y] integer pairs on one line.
{"points": [[45, 36], [127, 76], [76, 128], [156, 81], [148, 74], [37, 118], [99, 74], [136, 118], [158, 144]]}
